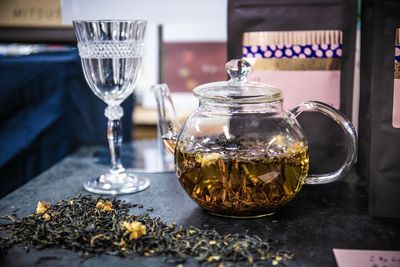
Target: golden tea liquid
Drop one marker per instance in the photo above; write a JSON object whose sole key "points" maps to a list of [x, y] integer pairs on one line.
{"points": [[239, 185]]}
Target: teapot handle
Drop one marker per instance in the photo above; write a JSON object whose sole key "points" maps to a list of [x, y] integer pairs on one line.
{"points": [[351, 138]]}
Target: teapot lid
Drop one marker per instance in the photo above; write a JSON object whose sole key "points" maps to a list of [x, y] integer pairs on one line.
{"points": [[238, 89]]}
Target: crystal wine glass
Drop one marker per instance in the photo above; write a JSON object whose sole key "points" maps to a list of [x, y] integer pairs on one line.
{"points": [[111, 52]]}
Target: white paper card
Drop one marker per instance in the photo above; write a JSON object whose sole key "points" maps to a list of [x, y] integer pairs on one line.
{"points": [[366, 258]]}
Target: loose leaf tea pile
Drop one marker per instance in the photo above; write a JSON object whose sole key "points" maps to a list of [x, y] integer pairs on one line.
{"points": [[95, 226]]}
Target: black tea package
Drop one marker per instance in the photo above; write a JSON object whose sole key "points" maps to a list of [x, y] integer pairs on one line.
{"points": [[364, 122], [305, 48], [384, 110]]}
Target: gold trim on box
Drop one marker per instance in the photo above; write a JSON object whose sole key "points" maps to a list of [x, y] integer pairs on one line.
{"points": [[333, 37], [398, 36], [28, 13], [397, 70], [275, 64]]}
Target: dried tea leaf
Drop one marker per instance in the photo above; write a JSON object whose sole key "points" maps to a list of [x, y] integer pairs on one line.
{"points": [[268, 177]]}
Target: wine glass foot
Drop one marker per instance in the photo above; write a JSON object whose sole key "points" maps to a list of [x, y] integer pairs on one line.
{"points": [[129, 184]]}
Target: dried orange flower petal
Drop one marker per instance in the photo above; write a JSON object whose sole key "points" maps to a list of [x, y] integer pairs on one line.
{"points": [[104, 205], [46, 217], [135, 229], [42, 207]]}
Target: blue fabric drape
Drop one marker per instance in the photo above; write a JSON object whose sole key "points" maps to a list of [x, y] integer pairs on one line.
{"points": [[46, 112]]}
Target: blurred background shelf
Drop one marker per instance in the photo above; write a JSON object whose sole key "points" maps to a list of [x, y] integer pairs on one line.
{"points": [[145, 121]]}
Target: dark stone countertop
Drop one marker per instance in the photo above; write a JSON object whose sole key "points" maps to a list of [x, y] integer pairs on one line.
{"points": [[320, 218]]}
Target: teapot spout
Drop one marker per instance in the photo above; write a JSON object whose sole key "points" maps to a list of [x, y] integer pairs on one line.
{"points": [[167, 121]]}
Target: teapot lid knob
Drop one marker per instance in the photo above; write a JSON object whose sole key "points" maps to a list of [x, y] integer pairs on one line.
{"points": [[238, 69]]}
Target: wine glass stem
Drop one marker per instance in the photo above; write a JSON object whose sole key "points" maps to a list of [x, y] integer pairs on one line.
{"points": [[114, 136]]}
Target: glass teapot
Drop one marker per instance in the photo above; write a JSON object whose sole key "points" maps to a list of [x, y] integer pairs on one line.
{"points": [[239, 154]]}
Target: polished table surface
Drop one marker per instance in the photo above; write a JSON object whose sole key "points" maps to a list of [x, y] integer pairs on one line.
{"points": [[320, 218]]}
